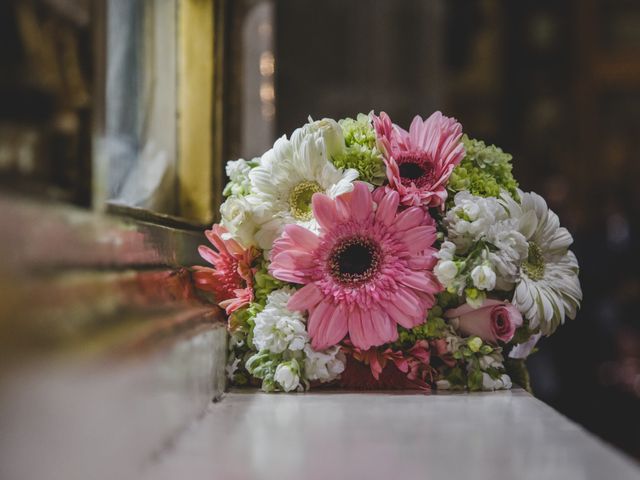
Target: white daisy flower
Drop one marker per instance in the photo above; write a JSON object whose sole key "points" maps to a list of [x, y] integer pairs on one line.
{"points": [[288, 176], [276, 327], [548, 288]]}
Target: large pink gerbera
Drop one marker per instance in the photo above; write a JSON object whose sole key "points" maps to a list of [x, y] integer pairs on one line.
{"points": [[231, 279], [419, 162], [366, 271]]}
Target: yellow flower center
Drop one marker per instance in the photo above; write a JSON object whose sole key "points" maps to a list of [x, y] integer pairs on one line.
{"points": [[534, 264], [300, 199]]}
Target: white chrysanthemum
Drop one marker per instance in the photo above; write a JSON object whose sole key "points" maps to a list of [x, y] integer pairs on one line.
{"points": [[288, 176], [548, 288], [471, 217], [323, 366], [276, 327]]}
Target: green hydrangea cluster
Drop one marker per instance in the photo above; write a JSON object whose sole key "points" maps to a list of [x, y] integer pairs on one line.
{"points": [[484, 171], [358, 131], [264, 283], [361, 152], [434, 327]]}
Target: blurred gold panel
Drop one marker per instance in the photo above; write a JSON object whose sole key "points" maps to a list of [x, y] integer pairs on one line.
{"points": [[195, 110]]}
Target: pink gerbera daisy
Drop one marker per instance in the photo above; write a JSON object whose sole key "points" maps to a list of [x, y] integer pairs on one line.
{"points": [[366, 271], [231, 279], [419, 162]]}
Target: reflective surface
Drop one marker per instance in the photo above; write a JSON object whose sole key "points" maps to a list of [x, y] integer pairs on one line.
{"points": [[508, 435]]}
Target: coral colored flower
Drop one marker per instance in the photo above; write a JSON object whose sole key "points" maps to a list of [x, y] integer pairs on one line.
{"points": [[231, 279], [364, 272], [374, 368], [419, 162]]}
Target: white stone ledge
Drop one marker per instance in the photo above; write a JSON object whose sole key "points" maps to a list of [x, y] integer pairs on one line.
{"points": [[77, 418], [502, 435]]}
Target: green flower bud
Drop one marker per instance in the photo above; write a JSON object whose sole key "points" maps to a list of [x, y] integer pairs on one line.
{"points": [[474, 344], [472, 293]]}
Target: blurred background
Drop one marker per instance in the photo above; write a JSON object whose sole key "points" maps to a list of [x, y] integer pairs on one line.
{"points": [[556, 83]]}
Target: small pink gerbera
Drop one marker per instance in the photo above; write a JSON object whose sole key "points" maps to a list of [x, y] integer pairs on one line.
{"points": [[231, 279], [419, 162], [366, 271]]}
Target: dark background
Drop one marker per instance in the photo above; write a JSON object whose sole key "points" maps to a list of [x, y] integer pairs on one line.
{"points": [[555, 83]]}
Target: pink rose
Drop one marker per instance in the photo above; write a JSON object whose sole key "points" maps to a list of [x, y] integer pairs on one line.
{"points": [[494, 320]]}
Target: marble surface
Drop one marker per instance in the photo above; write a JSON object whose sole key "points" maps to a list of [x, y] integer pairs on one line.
{"points": [[502, 435]]}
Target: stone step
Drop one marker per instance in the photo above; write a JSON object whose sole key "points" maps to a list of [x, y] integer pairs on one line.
{"points": [[500, 435], [78, 416]]}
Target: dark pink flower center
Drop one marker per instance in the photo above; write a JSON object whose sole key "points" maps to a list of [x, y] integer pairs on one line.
{"points": [[354, 260], [416, 168], [501, 325]]}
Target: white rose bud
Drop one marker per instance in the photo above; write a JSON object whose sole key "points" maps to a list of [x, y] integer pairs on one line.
{"points": [[237, 218], [446, 271], [287, 377], [484, 278], [332, 135], [327, 130]]}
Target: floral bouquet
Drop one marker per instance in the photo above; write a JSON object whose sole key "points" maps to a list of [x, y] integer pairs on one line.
{"points": [[357, 254]]}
